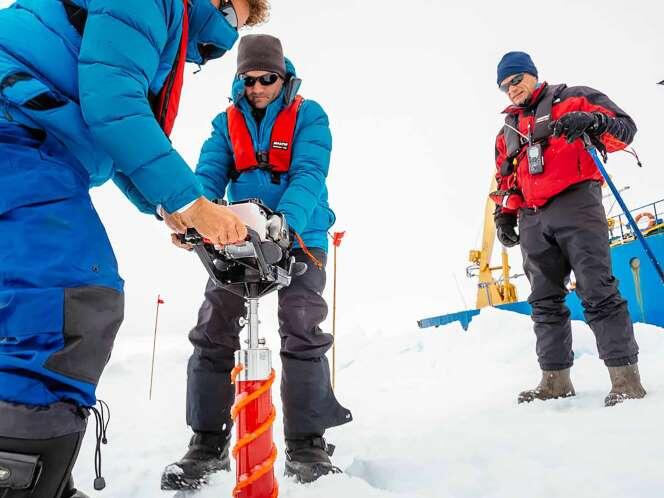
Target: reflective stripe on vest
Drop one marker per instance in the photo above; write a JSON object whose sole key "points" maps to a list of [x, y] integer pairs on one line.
{"points": [[164, 105], [281, 140]]}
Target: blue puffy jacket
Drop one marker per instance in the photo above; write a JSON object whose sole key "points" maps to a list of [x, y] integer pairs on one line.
{"points": [[100, 83], [301, 194]]}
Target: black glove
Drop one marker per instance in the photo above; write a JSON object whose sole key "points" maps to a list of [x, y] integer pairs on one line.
{"points": [[574, 124], [505, 230]]}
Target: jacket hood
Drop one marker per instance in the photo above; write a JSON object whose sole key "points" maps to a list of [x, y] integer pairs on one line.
{"points": [[210, 34]]}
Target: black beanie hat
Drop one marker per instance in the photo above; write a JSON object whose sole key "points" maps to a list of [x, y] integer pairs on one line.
{"points": [[260, 53]]}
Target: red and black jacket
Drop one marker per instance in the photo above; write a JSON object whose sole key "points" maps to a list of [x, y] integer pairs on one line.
{"points": [[565, 164]]}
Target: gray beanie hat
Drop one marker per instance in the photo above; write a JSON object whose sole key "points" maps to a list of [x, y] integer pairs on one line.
{"points": [[260, 53]]}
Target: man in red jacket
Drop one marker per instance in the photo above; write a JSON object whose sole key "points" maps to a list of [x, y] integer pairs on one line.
{"points": [[547, 179]]}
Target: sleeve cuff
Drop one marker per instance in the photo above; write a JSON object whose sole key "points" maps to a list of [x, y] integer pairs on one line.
{"points": [[160, 209]]}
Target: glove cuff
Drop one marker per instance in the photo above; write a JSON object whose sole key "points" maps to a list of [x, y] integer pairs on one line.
{"points": [[504, 219], [602, 123]]}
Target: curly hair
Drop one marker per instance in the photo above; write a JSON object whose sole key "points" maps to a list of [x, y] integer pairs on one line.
{"points": [[259, 12]]}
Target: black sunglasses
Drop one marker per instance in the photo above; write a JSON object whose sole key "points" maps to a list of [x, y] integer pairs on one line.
{"points": [[228, 11], [514, 81], [265, 80]]}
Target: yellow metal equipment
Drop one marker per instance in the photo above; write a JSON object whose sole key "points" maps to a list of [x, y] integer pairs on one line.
{"points": [[491, 292]]}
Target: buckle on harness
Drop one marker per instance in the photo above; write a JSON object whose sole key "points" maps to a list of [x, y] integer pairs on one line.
{"points": [[263, 160], [262, 163]]}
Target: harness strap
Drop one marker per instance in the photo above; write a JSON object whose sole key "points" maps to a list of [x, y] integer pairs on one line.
{"points": [[543, 113], [515, 142], [316, 261]]}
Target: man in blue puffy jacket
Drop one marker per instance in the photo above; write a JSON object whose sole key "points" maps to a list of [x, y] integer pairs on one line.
{"points": [[89, 90], [273, 145]]}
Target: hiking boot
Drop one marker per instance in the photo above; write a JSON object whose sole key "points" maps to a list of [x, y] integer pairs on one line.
{"points": [[309, 459], [207, 454], [625, 384], [554, 384]]}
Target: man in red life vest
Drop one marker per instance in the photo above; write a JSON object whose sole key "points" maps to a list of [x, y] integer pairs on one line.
{"points": [[273, 145], [548, 179]]}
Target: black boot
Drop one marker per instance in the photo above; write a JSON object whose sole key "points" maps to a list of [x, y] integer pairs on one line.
{"points": [[309, 459], [71, 492], [207, 454]]}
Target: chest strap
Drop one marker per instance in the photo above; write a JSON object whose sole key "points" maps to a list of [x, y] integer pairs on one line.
{"points": [[515, 142]]}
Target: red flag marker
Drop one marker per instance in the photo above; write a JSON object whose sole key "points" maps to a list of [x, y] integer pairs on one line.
{"points": [[336, 238]]}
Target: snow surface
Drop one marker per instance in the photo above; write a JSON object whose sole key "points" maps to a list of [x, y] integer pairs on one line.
{"points": [[414, 109], [435, 416]]}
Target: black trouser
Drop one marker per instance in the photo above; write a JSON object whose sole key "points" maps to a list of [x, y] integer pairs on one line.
{"points": [[309, 404], [38, 449], [571, 233]]}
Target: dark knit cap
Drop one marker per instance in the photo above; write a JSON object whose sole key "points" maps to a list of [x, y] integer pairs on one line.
{"points": [[515, 63], [260, 53]]}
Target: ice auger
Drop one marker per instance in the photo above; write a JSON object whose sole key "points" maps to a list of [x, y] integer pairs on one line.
{"points": [[260, 265]]}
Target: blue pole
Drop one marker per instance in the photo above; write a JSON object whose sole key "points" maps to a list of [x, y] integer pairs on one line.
{"points": [[630, 219]]}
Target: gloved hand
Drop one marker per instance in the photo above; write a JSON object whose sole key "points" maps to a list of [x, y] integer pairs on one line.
{"points": [[505, 230], [574, 124]]}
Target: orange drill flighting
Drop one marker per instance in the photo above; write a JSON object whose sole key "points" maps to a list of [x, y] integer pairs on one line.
{"points": [[254, 414]]}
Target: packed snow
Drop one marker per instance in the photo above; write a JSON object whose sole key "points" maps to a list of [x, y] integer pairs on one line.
{"points": [[435, 416]]}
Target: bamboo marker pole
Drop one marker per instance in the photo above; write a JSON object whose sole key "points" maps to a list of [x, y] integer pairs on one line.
{"points": [[154, 344], [336, 242]]}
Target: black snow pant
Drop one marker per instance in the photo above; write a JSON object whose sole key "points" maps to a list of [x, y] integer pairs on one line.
{"points": [[571, 233], [38, 449], [309, 404]]}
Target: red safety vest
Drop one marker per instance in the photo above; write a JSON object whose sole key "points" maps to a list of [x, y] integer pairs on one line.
{"points": [[277, 158], [168, 100]]}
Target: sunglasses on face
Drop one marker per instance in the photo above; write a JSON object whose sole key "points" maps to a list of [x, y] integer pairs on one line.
{"points": [[514, 81], [228, 11], [265, 80]]}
